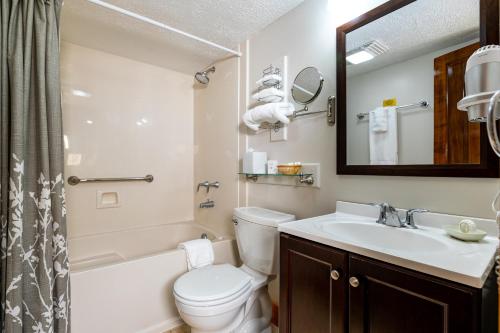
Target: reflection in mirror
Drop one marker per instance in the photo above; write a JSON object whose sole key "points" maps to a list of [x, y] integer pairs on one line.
{"points": [[307, 85], [415, 54]]}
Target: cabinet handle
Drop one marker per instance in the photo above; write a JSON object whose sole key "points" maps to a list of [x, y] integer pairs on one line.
{"points": [[354, 282], [335, 275]]}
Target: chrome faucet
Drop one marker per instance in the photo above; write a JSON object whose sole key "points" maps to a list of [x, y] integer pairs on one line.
{"points": [[388, 215], [208, 185]]}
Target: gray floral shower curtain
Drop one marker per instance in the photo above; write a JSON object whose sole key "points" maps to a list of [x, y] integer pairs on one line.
{"points": [[34, 272]]}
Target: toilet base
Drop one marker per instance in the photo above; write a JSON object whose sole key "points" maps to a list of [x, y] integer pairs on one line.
{"points": [[258, 312], [253, 317]]}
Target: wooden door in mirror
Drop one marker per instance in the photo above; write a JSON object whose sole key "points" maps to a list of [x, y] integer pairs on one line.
{"points": [[456, 140]]}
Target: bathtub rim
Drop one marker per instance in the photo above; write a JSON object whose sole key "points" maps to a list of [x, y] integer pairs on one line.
{"points": [[217, 238], [147, 227]]}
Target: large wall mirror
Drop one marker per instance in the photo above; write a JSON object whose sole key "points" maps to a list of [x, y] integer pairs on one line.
{"points": [[400, 74]]}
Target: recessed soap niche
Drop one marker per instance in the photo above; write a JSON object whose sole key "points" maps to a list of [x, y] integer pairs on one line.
{"points": [[107, 199]]}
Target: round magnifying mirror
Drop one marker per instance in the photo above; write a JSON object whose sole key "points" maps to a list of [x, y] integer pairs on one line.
{"points": [[307, 85]]}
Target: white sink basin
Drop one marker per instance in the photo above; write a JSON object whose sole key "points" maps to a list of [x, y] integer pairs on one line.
{"points": [[428, 249], [376, 235]]}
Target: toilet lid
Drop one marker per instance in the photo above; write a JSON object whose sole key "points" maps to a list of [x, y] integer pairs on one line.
{"points": [[211, 283]]}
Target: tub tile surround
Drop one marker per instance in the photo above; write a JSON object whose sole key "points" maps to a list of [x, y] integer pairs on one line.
{"points": [[124, 118], [216, 108]]}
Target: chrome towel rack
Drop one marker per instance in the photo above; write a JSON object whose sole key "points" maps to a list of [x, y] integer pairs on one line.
{"points": [[419, 105], [74, 180]]}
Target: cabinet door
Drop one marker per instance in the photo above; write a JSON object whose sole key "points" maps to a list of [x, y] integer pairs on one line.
{"points": [[389, 299], [312, 296]]}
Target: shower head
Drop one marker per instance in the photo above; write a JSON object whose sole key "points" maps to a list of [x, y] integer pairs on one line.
{"points": [[202, 77]]}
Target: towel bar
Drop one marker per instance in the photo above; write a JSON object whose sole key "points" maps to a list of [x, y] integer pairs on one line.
{"points": [[421, 105]]}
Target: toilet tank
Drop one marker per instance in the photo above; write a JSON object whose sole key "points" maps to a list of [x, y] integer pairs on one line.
{"points": [[257, 237]]}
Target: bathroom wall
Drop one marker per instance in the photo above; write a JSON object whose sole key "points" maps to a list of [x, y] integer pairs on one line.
{"points": [[216, 108], [409, 81], [307, 36], [125, 118]]}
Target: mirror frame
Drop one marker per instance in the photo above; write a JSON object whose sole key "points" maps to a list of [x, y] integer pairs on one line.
{"points": [[318, 91], [488, 167]]}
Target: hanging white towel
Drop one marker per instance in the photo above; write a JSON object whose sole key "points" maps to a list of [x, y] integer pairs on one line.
{"points": [[384, 144], [269, 95], [270, 113], [378, 119], [199, 253]]}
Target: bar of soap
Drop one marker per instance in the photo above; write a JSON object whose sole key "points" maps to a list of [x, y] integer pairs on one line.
{"points": [[467, 226]]}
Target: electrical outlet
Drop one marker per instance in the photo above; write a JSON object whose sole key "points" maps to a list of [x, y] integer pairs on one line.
{"points": [[280, 134]]}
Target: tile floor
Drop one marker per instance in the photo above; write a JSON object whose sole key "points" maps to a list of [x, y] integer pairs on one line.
{"points": [[180, 329], [186, 329]]}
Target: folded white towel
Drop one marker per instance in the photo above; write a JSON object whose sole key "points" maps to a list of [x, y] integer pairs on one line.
{"points": [[270, 113], [384, 145], [269, 80], [378, 119], [199, 253], [269, 95]]}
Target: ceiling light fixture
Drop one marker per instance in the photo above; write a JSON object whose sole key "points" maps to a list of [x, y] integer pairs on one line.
{"points": [[359, 57], [366, 52]]}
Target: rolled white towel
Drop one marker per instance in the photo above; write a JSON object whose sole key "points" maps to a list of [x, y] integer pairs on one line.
{"points": [[270, 113], [199, 253]]}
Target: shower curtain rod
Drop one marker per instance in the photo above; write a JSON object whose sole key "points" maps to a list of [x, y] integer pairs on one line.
{"points": [[162, 25]]}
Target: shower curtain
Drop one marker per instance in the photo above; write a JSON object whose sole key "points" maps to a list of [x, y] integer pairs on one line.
{"points": [[34, 272]]}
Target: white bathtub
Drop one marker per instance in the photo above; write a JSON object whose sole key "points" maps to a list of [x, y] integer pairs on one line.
{"points": [[121, 282]]}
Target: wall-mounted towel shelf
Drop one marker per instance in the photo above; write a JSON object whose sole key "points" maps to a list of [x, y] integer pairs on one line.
{"points": [[419, 105], [74, 180]]}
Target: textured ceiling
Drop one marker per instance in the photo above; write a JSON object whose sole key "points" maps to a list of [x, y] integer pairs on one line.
{"points": [[226, 22], [422, 27]]}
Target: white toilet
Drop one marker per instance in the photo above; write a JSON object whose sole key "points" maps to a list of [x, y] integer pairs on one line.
{"points": [[224, 298]]}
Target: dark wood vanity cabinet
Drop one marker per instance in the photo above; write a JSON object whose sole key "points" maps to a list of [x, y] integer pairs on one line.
{"points": [[310, 299], [370, 296]]}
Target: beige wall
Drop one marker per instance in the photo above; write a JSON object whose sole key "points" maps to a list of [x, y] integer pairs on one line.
{"points": [[216, 148], [134, 119], [307, 36]]}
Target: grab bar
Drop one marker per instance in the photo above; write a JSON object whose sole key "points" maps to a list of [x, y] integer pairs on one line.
{"points": [[74, 180]]}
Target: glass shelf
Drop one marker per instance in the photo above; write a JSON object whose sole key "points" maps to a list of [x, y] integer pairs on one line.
{"points": [[305, 178], [275, 175]]}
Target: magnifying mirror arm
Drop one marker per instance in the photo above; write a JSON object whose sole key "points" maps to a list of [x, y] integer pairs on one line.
{"points": [[330, 111]]}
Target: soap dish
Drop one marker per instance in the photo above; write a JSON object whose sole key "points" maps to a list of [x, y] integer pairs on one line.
{"points": [[473, 236], [286, 169]]}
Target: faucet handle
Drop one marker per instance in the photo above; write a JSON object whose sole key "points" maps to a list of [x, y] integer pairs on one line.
{"points": [[409, 221], [205, 184], [382, 214], [215, 184]]}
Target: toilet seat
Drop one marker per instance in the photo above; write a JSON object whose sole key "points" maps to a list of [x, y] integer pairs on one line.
{"points": [[213, 289]]}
